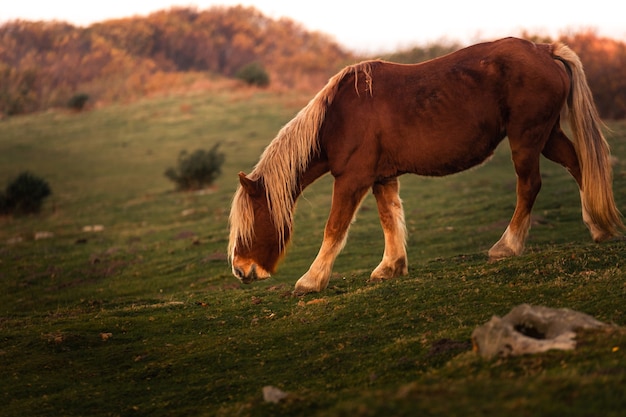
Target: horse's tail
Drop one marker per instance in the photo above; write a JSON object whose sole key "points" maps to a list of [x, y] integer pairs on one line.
{"points": [[591, 147]]}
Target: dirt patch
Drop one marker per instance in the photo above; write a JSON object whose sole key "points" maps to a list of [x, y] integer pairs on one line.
{"points": [[444, 346]]}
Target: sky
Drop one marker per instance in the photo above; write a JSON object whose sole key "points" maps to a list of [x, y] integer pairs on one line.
{"points": [[369, 26]]}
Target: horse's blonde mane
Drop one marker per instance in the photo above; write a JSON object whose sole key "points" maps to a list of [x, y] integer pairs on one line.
{"points": [[283, 160]]}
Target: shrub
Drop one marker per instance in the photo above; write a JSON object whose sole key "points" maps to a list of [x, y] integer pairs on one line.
{"points": [[254, 74], [78, 101], [24, 195], [197, 170], [4, 208]]}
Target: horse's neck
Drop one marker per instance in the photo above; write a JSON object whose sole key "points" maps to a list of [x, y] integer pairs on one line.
{"points": [[316, 168]]}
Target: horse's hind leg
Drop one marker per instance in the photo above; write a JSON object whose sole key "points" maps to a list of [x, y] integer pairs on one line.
{"points": [[347, 197], [394, 262], [560, 149], [526, 162]]}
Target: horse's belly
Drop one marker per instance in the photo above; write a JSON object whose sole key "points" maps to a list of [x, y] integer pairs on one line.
{"points": [[439, 159], [447, 166]]}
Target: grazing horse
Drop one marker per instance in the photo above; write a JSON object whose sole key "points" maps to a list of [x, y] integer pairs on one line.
{"points": [[377, 120]]}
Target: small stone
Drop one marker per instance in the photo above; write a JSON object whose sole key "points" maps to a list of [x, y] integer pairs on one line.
{"points": [[43, 235], [93, 228], [274, 395]]}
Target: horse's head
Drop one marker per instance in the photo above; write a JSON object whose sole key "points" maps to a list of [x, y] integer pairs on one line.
{"points": [[255, 245]]}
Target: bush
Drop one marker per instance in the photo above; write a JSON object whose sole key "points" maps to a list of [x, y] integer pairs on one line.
{"points": [[78, 101], [197, 170], [254, 74], [4, 208], [24, 195]]}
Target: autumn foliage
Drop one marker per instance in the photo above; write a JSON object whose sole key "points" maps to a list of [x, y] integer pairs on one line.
{"points": [[49, 64], [605, 65], [45, 64]]}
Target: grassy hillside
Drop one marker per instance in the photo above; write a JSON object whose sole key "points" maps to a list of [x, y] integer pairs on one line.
{"points": [[144, 318]]}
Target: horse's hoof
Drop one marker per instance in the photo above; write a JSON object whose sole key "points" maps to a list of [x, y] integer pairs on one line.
{"points": [[383, 273], [499, 252], [302, 290]]}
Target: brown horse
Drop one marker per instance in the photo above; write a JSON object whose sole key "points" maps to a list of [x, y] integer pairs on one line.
{"points": [[377, 120]]}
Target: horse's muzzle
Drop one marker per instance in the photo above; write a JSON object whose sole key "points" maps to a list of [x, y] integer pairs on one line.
{"points": [[250, 273]]}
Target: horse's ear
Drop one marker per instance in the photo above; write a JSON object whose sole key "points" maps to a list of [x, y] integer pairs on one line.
{"points": [[252, 187]]}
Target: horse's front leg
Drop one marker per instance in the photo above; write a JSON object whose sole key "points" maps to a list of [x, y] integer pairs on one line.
{"points": [[394, 262], [347, 197]]}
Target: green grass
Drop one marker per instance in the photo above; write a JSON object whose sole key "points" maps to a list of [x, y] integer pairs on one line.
{"points": [[144, 317]]}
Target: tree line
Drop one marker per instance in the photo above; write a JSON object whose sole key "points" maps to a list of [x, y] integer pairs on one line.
{"points": [[44, 64], [50, 64], [604, 61]]}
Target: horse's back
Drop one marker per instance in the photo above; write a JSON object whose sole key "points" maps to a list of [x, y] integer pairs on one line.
{"points": [[504, 64], [444, 115]]}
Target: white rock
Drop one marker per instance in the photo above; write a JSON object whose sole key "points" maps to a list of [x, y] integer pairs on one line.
{"points": [[274, 395], [531, 329]]}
